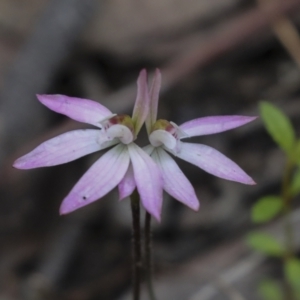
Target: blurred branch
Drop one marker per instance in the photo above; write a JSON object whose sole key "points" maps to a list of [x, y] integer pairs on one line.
{"points": [[232, 262], [287, 34], [231, 275], [229, 290], [225, 38]]}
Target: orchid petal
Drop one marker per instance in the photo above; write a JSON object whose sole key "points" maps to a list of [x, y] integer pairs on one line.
{"points": [[210, 125], [149, 149], [82, 110], [121, 132], [162, 137], [101, 178], [127, 184], [63, 148], [213, 162], [141, 107], [180, 134], [148, 180], [175, 182], [154, 97]]}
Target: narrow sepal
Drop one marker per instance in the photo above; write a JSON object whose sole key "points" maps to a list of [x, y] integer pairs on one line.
{"points": [[127, 184], [175, 182], [148, 180], [105, 174], [81, 110], [154, 97], [141, 107], [210, 125], [213, 162], [63, 148]]}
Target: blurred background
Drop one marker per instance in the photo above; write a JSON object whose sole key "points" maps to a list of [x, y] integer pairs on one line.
{"points": [[217, 57]]}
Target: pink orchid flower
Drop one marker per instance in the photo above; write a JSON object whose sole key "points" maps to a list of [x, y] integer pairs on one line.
{"points": [[165, 136], [113, 168]]}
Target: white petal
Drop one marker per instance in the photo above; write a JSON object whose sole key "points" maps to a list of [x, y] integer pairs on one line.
{"points": [[127, 184], [149, 149], [121, 132], [101, 178], [63, 148], [162, 137], [175, 182], [213, 162], [148, 180]]}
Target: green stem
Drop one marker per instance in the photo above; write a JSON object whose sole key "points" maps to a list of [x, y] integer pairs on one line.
{"points": [[136, 245], [288, 227], [148, 258]]}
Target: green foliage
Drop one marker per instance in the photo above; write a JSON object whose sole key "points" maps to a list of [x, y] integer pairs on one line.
{"points": [[266, 208], [292, 272], [296, 153], [297, 294], [295, 185], [278, 126], [264, 243], [269, 290]]}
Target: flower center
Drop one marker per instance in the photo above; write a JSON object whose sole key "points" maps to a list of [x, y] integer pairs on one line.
{"points": [[163, 134], [120, 127], [162, 124], [167, 134]]}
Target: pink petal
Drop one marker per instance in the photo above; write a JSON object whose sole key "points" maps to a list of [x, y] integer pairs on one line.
{"points": [[82, 110], [210, 125], [148, 180], [62, 149], [141, 107], [101, 178], [127, 184], [175, 182], [154, 97], [213, 162]]}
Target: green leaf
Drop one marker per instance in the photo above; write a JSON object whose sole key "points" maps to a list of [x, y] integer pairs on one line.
{"points": [[265, 243], [296, 153], [292, 272], [278, 126], [295, 185], [266, 208], [297, 294], [269, 290]]}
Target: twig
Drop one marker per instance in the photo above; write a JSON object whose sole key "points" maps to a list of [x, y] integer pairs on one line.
{"points": [[225, 38], [229, 290], [287, 34], [148, 258], [136, 245]]}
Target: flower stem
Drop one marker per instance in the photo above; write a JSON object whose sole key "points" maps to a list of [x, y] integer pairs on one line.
{"points": [[136, 245], [148, 258]]}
